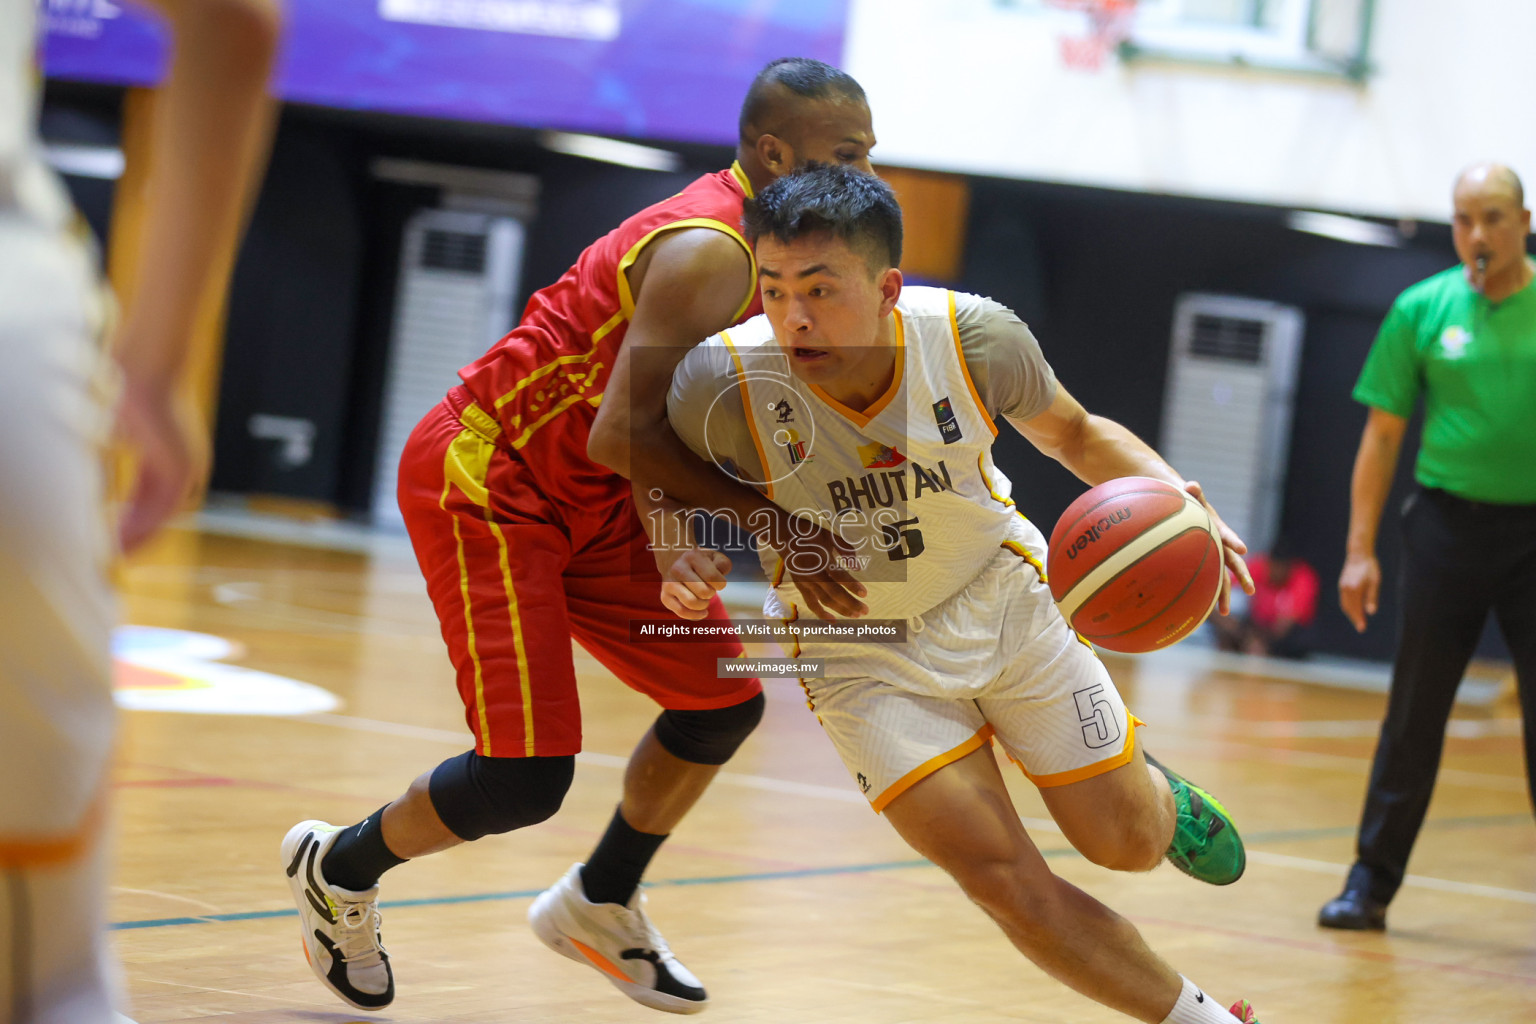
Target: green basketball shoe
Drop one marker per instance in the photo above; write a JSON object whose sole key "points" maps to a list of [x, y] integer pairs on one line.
{"points": [[1205, 842]]}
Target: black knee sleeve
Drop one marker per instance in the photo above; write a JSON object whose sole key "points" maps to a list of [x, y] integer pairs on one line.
{"points": [[482, 796], [708, 737]]}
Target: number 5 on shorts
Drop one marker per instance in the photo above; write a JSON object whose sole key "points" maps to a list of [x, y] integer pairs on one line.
{"points": [[1101, 727]]}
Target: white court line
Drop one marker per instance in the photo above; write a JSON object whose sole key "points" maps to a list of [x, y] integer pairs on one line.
{"points": [[761, 782], [208, 907], [1332, 762], [840, 795], [1369, 728], [1323, 867]]}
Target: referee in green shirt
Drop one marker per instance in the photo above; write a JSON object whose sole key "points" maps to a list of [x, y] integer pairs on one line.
{"points": [[1465, 342]]}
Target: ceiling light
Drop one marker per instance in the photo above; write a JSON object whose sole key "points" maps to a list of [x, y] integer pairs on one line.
{"points": [[1345, 229], [595, 147]]}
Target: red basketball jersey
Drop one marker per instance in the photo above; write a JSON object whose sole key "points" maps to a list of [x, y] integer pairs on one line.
{"points": [[544, 380]]}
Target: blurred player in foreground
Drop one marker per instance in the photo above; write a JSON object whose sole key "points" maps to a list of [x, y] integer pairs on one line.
{"points": [[57, 722], [516, 496], [860, 404]]}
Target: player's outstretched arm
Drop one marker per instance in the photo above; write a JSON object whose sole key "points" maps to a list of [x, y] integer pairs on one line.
{"points": [[1097, 449], [1375, 462], [211, 130], [687, 285], [690, 284]]}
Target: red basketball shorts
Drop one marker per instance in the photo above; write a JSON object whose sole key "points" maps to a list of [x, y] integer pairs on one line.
{"points": [[514, 577]]}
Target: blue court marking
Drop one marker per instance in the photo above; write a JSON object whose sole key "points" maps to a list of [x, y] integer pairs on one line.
{"points": [[773, 876]]}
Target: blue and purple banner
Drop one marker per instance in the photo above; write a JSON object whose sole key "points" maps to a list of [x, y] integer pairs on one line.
{"points": [[663, 69]]}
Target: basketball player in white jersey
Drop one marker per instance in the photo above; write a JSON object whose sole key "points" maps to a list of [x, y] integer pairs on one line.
{"points": [[856, 404], [56, 608]]}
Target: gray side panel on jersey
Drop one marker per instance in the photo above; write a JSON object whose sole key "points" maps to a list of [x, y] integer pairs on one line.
{"points": [[1010, 372]]}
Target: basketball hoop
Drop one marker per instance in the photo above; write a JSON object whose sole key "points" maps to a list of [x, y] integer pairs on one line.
{"points": [[1109, 25]]}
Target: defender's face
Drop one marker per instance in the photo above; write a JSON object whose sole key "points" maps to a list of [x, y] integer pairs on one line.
{"points": [[836, 130], [1488, 223], [824, 303]]}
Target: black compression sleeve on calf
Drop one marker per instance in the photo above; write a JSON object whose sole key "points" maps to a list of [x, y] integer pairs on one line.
{"points": [[358, 856], [479, 796], [708, 737]]}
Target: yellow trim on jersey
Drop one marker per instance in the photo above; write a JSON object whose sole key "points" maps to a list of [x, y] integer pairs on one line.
{"points": [[466, 465], [525, 686], [928, 767], [1028, 556], [878, 406], [794, 616], [469, 623], [954, 329], [480, 421], [627, 299], [982, 469], [742, 179], [746, 407], [1097, 768], [778, 574], [564, 404], [554, 364]]}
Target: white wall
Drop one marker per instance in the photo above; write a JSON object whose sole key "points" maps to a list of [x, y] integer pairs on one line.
{"points": [[964, 86]]}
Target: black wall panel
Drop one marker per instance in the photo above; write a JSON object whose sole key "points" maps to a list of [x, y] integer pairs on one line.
{"points": [[292, 309]]}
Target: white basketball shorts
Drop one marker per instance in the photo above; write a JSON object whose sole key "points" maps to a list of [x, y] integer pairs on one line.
{"points": [[995, 661]]}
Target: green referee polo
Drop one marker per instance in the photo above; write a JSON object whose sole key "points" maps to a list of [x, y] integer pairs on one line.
{"points": [[1474, 362]]}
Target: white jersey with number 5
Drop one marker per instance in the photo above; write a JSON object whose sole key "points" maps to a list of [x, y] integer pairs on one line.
{"points": [[909, 482]]}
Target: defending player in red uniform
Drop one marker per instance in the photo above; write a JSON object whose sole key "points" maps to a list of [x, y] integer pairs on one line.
{"points": [[527, 538]]}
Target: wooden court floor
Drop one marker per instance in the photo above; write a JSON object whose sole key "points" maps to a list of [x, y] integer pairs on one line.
{"points": [[791, 900]]}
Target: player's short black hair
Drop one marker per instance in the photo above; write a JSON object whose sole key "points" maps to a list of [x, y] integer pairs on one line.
{"points": [[803, 76], [849, 203]]}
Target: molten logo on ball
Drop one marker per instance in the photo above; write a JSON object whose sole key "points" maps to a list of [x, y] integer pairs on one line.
{"points": [[1135, 564], [1096, 531]]}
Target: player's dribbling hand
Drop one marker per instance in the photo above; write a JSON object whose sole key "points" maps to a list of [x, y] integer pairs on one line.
{"points": [[1232, 549], [815, 561], [171, 452], [692, 580], [1359, 588]]}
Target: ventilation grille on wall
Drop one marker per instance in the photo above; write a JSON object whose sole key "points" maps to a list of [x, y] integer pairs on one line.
{"points": [[1238, 339], [458, 278], [1227, 407], [453, 250]]}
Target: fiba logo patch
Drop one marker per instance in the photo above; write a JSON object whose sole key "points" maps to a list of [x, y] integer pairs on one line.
{"points": [[944, 416]]}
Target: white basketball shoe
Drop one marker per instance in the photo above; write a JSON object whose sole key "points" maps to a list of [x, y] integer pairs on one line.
{"points": [[340, 927], [619, 941]]}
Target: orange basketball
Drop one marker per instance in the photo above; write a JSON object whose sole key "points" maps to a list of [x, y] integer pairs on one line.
{"points": [[1135, 564]]}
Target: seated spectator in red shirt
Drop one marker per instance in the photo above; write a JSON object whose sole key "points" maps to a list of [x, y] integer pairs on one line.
{"points": [[1284, 601]]}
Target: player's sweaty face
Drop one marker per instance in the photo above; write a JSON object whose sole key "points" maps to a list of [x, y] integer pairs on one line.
{"points": [[825, 305], [833, 131], [1489, 223]]}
